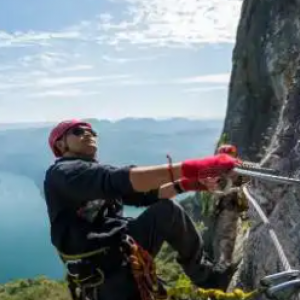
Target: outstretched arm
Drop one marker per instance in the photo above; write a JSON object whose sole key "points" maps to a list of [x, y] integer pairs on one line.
{"points": [[82, 181], [148, 178]]}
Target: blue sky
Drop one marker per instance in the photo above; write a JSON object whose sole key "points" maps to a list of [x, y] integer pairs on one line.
{"points": [[115, 58]]}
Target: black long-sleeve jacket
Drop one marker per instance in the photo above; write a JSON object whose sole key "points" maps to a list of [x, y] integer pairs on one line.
{"points": [[83, 196]]}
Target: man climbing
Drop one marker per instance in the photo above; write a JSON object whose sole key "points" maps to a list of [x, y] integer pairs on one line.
{"points": [[85, 204]]}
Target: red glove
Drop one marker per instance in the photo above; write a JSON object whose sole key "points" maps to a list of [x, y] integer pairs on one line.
{"points": [[211, 166]]}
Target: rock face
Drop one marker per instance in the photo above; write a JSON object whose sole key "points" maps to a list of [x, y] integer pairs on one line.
{"points": [[263, 120]]}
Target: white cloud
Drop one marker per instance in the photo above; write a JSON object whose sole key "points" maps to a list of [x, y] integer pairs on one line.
{"points": [[213, 78], [30, 38], [138, 82], [146, 22], [66, 93], [44, 60], [75, 68], [222, 78], [205, 89], [123, 60], [35, 80], [11, 85], [180, 22], [55, 81]]}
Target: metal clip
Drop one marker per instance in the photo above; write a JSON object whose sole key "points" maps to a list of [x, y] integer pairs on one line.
{"points": [[283, 291], [280, 277], [128, 240], [224, 184]]}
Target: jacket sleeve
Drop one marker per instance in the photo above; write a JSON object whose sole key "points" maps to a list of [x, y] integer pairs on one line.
{"points": [[83, 181], [141, 199]]}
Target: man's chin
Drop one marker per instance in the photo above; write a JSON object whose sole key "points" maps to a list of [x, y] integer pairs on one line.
{"points": [[90, 150]]}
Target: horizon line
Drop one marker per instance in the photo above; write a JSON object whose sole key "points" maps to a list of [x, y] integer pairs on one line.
{"points": [[119, 119]]}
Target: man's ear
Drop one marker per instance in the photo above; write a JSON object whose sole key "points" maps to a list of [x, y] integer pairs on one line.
{"points": [[61, 146]]}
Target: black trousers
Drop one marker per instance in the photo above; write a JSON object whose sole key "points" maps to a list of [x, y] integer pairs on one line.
{"points": [[163, 221]]}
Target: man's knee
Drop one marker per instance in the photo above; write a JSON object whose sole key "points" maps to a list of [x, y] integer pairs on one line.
{"points": [[170, 216], [168, 207]]}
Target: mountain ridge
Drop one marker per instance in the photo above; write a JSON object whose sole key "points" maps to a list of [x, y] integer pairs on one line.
{"points": [[19, 125]]}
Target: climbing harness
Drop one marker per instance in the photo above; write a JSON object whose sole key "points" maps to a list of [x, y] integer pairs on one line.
{"points": [[85, 275], [83, 272]]}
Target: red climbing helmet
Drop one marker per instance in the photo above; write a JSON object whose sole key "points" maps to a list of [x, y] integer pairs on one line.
{"points": [[228, 149], [60, 129]]}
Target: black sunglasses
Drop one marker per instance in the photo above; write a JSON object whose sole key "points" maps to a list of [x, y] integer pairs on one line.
{"points": [[78, 131]]}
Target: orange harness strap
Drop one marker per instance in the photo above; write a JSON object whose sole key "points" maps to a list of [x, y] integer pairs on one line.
{"points": [[144, 272]]}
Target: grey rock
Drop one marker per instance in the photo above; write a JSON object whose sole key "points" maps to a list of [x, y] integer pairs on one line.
{"points": [[263, 121]]}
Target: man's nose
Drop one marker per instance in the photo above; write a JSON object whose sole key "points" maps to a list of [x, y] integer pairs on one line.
{"points": [[87, 132]]}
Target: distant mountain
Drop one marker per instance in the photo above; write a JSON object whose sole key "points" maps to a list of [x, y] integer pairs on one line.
{"points": [[24, 150], [24, 156], [7, 126]]}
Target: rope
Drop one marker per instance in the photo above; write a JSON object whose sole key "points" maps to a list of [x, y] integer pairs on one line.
{"points": [[274, 238], [282, 256]]}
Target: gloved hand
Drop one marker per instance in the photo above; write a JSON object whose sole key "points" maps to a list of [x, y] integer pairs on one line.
{"points": [[211, 166], [193, 184]]}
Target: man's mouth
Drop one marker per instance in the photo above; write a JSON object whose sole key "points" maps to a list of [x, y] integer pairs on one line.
{"points": [[90, 142]]}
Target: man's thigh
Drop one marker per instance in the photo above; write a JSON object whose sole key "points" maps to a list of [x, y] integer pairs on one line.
{"points": [[146, 228]]}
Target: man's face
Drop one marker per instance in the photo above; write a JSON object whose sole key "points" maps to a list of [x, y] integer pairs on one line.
{"points": [[81, 140]]}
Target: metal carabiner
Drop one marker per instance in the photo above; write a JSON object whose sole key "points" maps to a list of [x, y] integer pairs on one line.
{"points": [[275, 279], [225, 184], [72, 262], [128, 240], [284, 290]]}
